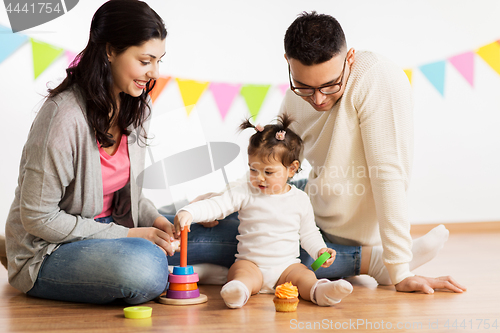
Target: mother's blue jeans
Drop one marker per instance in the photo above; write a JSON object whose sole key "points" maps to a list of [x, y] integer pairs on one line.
{"points": [[102, 270], [217, 246]]}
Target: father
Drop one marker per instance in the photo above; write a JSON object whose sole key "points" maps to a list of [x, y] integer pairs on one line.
{"points": [[354, 112]]}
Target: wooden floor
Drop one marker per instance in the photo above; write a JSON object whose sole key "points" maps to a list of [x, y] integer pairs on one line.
{"points": [[470, 256]]}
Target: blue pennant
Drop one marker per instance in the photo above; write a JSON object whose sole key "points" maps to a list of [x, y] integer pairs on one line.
{"points": [[10, 42], [434, 72]]}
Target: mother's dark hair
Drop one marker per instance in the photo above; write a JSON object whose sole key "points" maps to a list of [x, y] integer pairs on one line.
{"points": [[118, 24]]}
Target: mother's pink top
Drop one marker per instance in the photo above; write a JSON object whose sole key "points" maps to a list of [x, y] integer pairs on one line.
{"points": [[115, 171]]}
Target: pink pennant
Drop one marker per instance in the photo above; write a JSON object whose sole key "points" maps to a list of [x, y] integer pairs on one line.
{"points": [[70, 56], [284, 87], [464, 63], [224, 94]]}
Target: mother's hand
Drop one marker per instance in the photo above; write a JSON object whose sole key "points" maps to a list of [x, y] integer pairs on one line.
{"points": [[165, 225], [161, 234], [427, 285]]}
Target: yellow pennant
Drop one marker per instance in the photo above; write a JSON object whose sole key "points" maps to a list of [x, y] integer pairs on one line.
{"points": [[408, 73], [491, 54], [191, 92]]}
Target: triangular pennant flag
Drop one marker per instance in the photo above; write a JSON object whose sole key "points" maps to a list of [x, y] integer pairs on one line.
{"points": [[434, 72], [408, 73], [191, 91], [224, 94], [254, 95], [160, 84], [464, 63], [10, 42], [284, 87], [70, 57], [491, 54], [43, 55]]}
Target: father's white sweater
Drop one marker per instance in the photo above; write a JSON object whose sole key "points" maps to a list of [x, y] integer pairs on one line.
{"points": [[361, 154]]}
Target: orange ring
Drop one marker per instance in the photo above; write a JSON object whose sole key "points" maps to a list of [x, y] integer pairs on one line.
{"points": [[183, 286]]}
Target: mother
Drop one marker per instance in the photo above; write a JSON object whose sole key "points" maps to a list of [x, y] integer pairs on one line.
{"points": [[72, 232]]}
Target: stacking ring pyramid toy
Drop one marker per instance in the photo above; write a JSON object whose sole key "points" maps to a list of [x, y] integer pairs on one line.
{"points": [[183, 286]]}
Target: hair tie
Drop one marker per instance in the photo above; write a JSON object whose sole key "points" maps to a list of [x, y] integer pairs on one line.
{"points": [[259, 128], [280, 135]]}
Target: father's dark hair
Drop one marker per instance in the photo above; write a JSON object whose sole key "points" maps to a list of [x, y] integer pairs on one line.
{"points": [[314, 38]]}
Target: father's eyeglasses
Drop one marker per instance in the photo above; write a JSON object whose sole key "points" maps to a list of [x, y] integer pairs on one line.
{"points": [[326, 89]]}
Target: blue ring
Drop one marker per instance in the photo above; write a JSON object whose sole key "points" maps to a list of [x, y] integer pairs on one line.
{"points": [[188, 270]]}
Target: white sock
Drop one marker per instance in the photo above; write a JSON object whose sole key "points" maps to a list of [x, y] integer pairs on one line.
{"points": [[424, 249], [211, 274], [235, 294], [327, 293]]}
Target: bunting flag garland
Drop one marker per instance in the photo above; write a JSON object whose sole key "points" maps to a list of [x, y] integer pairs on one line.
{"points": [[254, 95], [491, 54], [464, 63], [191, 91], [10, 42], [435, 74], [224, 94], [70, 56], [43, 55], [160, 84], [284, 87], [408, 73]]}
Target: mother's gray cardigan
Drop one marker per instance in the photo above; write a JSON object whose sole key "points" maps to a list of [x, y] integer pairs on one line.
{"points": [[60, 189]]}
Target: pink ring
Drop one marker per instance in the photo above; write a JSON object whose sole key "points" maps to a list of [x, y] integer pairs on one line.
{"points": [[191, 278], [183, 294]]}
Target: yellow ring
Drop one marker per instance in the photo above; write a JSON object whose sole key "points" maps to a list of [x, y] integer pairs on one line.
{"points": [[137, 312]]}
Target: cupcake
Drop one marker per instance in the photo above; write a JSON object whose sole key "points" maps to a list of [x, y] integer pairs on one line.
{"points": [[286, 297]]}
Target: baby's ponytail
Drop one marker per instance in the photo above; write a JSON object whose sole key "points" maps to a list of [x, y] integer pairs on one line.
{"points": [[274, 140], [246, 124], [285, 120]]}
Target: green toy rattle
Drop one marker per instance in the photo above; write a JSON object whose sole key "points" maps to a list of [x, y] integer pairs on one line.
{"points": [[320, 261]]}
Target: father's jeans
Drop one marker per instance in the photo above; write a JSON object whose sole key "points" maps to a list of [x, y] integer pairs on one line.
{"points": [[215, 245]]}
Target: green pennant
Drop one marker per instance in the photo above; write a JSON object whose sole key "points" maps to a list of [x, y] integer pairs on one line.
{"points": [[254, 96], [43, 55]]}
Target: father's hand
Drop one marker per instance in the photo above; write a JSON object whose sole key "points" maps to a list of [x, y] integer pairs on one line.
{"points": [[209, 224], [427, 285]]}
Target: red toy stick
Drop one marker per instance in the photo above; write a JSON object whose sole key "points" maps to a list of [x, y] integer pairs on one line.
{"points": [[184, 240]]}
